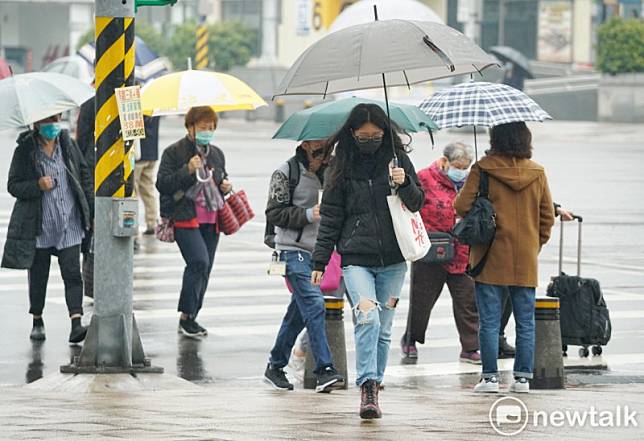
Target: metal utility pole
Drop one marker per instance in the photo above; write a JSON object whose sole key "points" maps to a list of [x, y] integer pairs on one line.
{"points": [[113, 344], [502, 14]]}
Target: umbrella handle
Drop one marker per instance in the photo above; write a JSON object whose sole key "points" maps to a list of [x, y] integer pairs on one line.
{"points": [[206, 179]]}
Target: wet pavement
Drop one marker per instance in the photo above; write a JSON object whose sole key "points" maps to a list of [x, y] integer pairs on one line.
{"points": [[593, 169], [246, 411]]}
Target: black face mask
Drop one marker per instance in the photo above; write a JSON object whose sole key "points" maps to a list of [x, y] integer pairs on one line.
{"points": [[370, 147]]}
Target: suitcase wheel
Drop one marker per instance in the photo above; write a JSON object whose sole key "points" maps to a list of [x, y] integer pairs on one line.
{"points": [[597, 350], [584, 352]]}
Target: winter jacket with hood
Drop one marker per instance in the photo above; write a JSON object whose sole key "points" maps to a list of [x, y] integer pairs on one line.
{"points": [[438, 212], [356, 217], [524, 217], [26, 218]]}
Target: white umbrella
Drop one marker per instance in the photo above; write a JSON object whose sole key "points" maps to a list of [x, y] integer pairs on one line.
{"points": [[31, 97], [395, 52], [74, 66], [362, 12]]}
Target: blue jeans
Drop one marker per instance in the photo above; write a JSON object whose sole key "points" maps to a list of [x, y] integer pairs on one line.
{"points": [[381, 287], [306, 309], [489, 300]]}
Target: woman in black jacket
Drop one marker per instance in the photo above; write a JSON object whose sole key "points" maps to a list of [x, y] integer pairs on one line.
{"points": [[356, 220], [192, 181], [53, 213]]}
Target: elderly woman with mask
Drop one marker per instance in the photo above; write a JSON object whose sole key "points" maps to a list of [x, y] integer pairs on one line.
{"points": [[441, 182], [192, 181]]}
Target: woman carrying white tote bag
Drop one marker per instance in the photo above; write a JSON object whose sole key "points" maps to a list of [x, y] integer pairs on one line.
{"points": [[412, 237]]}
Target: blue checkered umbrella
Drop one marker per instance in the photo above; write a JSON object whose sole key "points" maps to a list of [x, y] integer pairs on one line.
{"points": [[481, 104]]}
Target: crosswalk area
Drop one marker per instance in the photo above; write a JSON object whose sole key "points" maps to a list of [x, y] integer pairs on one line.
{"points": [[244, 307]]}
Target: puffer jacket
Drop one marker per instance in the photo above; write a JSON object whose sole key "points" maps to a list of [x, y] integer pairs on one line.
{"points": [[356, 217], [174, 179], [26, 218], [438, 212]]}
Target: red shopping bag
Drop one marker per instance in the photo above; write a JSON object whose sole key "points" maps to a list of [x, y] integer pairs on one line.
{"points": [[228, 223], [238, 202]]}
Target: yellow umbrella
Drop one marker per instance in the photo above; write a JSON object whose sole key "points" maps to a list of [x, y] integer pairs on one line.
{"points": [[176, 93]]}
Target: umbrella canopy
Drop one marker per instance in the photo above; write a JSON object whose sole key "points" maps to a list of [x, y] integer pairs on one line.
{"points": [[507, 53], [176, 93], [31, 97], [147, 66], [362, 12], [406, 52], [72, 65], [324, 120], [481, 104]]}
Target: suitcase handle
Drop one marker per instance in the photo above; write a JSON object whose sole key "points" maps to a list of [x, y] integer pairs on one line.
{"points": [[579, 220]]}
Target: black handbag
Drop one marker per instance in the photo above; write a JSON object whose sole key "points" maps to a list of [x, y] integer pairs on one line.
{"points": [[478, 227], [442, 249]]}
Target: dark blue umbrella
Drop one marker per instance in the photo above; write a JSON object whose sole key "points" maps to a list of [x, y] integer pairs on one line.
{"points": [[148, 65]]}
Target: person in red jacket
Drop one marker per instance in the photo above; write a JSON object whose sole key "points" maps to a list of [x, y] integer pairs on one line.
{"points": [[441, 182]]}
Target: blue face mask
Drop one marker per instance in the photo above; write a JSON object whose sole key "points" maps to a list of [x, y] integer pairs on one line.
{"points": [[456, 174], [204, 137], [50, 130]]}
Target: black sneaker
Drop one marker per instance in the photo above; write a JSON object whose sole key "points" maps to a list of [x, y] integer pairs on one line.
{"points": [[277, 378], [329, 380], [37, 333], [189, 328], [78, 334], [202, 331]]}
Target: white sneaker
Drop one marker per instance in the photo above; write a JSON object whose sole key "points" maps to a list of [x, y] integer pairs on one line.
{"points": [[520, 385], [487, 385]]}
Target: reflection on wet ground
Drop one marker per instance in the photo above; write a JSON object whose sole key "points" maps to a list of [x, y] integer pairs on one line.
{"points": [[190, 365]]}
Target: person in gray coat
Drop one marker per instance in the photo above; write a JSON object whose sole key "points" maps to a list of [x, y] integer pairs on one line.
{"points": [[295, 213]]}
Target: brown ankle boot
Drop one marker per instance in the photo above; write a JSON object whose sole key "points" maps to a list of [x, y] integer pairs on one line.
{"points": [[369, 408]]}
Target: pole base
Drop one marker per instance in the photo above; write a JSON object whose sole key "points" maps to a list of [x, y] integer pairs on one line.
{"points": [[112, 347], [145, 368]]}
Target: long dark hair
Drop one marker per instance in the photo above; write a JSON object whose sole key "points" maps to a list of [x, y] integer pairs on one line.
{"points": [[512, 139], [345, 147]]}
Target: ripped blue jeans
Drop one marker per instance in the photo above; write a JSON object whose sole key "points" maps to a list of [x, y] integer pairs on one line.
{"points": [[374, 292]]}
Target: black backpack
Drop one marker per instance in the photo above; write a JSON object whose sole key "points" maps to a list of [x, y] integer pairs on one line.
{"points": [[478, 227], [293, 181]]}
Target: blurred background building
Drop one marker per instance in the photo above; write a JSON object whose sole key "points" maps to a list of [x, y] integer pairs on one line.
{"points": [[558, 37]]}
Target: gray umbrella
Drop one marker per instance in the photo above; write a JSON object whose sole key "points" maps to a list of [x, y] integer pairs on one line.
{"points": [[406, 52], [507, 53]]}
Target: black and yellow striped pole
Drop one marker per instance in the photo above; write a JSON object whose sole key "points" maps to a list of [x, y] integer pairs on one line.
{"points": [[201, 45], [113, 344], [548, 366], [114, 68]]}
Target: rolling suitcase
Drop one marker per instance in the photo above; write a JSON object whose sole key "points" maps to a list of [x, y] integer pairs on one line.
{"points": [[584, 317]]}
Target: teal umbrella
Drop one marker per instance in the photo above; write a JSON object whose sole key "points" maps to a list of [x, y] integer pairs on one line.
{"points": [[324, 120]]}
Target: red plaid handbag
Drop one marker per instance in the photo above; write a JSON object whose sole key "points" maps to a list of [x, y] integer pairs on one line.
{"points": [[238, 202], [228, 223]]}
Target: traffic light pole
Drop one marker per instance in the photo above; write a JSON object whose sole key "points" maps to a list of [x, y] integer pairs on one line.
{"points": [[113, 343]]}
